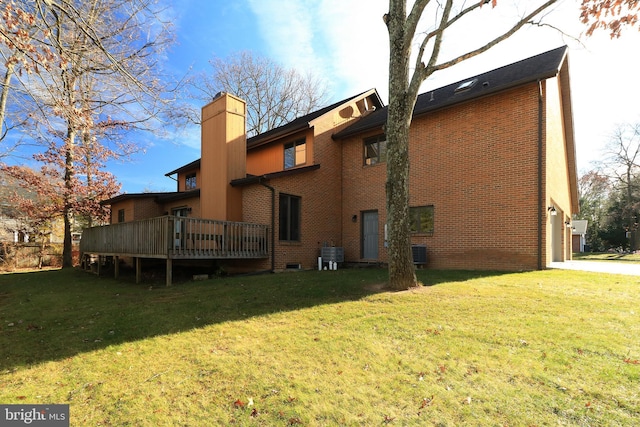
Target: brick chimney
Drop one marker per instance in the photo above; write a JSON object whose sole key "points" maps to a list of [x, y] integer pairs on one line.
{"points": [[223, 157]]}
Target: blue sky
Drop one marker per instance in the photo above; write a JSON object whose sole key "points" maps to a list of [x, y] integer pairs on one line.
{"points": [[345, 42]]}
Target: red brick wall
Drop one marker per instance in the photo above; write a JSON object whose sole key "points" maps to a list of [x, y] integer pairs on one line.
{"points": [[146, 208], [135, 209], [476, 163], [320, 191]]}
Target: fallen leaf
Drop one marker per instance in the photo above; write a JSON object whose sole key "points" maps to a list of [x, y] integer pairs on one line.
{"points": [[426, 402], [632, 362], [254, 412], [239, 404]]}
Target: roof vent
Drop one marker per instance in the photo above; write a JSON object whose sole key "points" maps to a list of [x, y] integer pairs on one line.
{"points": [[466, 85]]}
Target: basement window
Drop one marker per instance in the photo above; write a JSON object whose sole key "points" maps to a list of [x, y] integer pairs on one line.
{"points": [[466, 85]]}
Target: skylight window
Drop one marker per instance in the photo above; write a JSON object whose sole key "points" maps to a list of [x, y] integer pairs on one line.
{"points": [[466, 85]]}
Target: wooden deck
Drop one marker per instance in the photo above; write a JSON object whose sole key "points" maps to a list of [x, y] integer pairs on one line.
{"points": [[172, 237]]}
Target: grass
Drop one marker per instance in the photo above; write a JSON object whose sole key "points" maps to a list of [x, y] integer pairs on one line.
{"points": [[326, 348], [607, 256]]}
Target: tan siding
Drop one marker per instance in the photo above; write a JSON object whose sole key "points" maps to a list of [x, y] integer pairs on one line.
{"points": [[223, 157], [557, 184], [270, 158], [192, 203], [182, 179]]}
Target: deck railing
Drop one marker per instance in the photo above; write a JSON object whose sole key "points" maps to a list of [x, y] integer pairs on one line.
{"points": [[178, 238]]}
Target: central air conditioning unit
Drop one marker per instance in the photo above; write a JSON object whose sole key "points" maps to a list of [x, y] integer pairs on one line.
{"points": [[332, 253], [419, 253]]}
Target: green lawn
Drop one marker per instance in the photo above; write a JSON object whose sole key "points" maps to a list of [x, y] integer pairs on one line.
{"points": [[326, 348], [606, 256]]}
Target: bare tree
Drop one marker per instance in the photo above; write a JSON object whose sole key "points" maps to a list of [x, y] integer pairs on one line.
{"points": [[594, 189], [104, 81], [622, 165], [275, 95], [405, 79], [21, 49]]}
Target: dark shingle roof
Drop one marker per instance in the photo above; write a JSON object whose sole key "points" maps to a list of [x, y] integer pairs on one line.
{"points": [[193, 165], [157, 197], [256, 179], [539, 67]]}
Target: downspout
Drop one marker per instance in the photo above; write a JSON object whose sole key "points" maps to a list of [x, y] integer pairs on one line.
{"points": [[176, 180], [541, 210], [273, 224]]}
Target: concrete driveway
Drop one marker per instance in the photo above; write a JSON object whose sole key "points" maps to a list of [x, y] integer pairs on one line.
{"points": [[599, 267]]}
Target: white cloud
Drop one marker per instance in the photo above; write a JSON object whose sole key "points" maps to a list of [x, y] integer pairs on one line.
{"points": [[287, 27], [357, 41], [342, 42]]}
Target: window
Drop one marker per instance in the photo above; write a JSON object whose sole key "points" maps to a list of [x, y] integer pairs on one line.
{"points": [[190, 182], [421, 219], [375, 150], [295, 154], [289, 218], [466, 85], [121, 215]]}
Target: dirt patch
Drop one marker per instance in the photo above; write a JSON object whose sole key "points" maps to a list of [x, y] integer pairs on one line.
{"points": [[378, 287]]}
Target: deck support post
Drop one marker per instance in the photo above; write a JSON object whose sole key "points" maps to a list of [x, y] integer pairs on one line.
{"points": [[116, 267], [169, 271], [138, 269]]}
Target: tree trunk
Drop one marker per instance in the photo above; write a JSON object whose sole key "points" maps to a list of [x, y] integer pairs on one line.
{"points": [[631, 222], [4, 95], [401, 102], [401, 269], [67, 248]]}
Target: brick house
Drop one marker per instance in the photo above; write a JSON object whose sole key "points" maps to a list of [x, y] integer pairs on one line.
{"points": [[493, 181]]}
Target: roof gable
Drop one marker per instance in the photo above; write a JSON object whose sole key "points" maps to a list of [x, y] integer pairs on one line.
{"points": [[538, 67], [304, 122], [294, 126]]}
